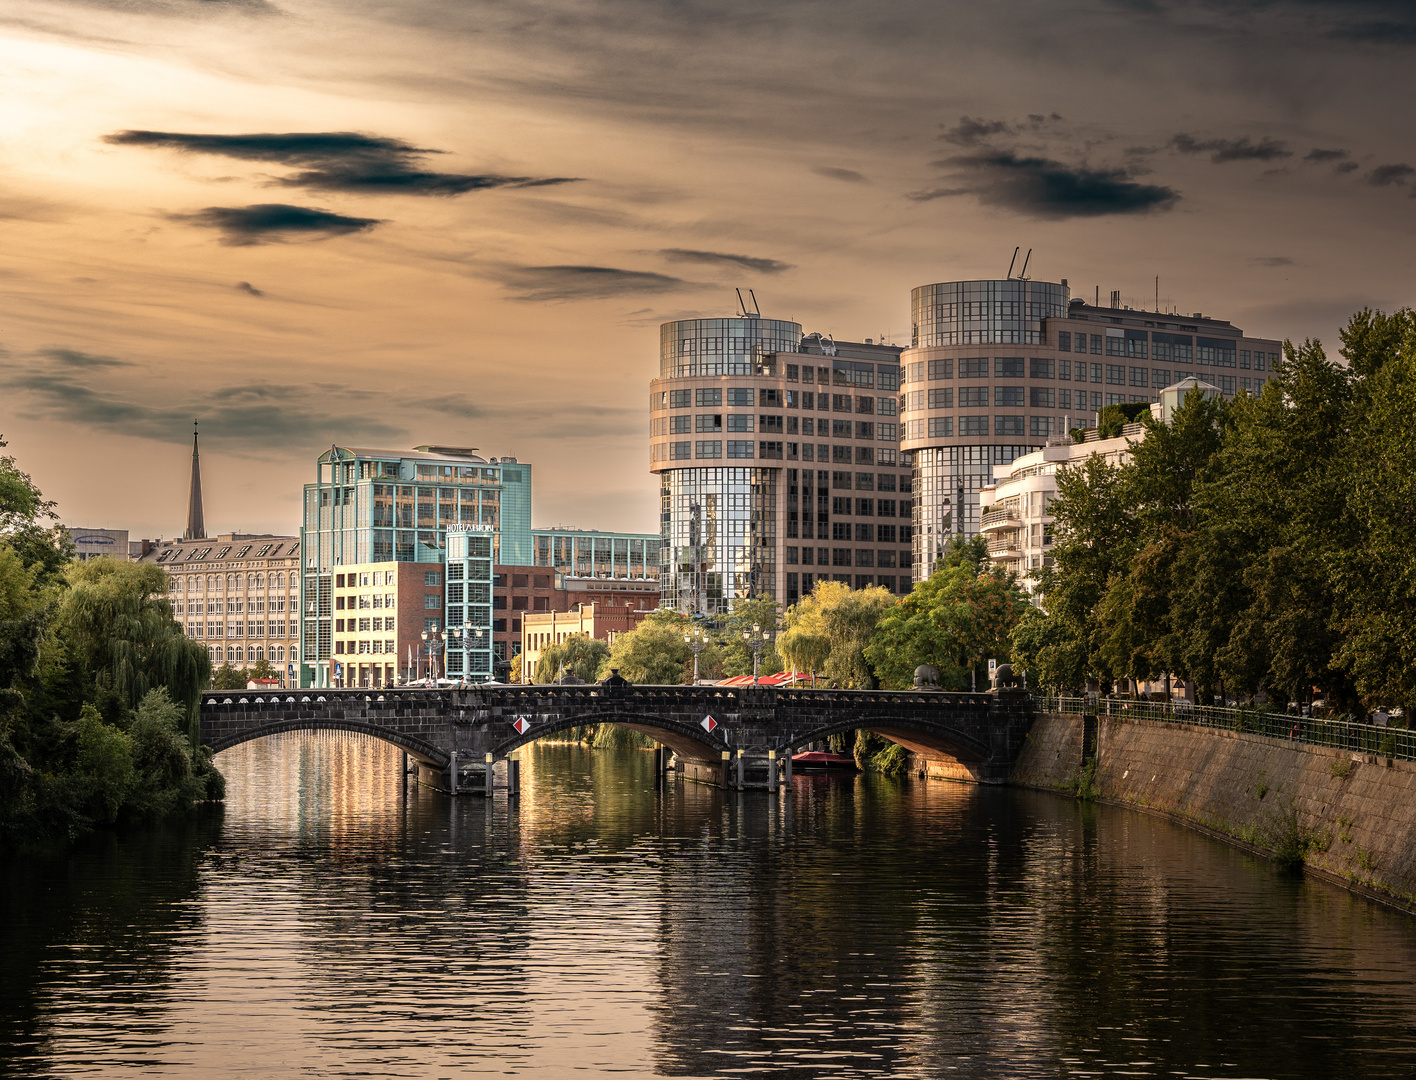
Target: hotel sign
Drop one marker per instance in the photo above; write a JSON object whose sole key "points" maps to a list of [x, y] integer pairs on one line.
{"points": [[471, 528]]}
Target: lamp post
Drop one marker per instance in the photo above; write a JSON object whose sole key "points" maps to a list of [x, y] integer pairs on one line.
{"points": [[756, 641], [431, 640], [696, 645]]}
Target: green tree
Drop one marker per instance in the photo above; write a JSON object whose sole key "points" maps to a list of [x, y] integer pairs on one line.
{"points": [[29, 522], [655, 652], [763, 612], [579, 655], [829, 631], [957, 621]]}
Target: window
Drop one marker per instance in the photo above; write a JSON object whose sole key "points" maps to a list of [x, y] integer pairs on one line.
{"points": [[1007, 425], [770, 425], [709, 448], [1064, 398], [943, 398], [865, 556], [432, 600], [941, 427], [680, 450], [840, 530], [1112, 399], [841, 455], [973, 425], [1040, 368], [885, 406], [739, 449], [709, 398], [864, 429], [885, 507], [976, 368], [769, 450], [865, 508], [792, 373], [1008, 367], [944, 369], [886, 433], [704, 422], [679, 425], [1226, 384], [885, 534], [842, 403], [1140, 376], [841, 480], [1040, 426], [887, 378], [1116, 374], [1244, 359], [840, 556], [885, 482], [740, 396], [1064, 341], [840, 429], [1010, 397], [1042, 397], [1160, 377], [769, 398], [680, 399], [841, 506], [739, 422], [1096, 374], [973, 397], [1064, 370]]}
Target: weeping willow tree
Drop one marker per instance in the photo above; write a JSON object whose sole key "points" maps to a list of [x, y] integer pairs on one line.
{"points": [[118, 624]]}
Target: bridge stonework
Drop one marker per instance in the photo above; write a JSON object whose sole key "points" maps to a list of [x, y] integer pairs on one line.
{"points": [[447, 729]]}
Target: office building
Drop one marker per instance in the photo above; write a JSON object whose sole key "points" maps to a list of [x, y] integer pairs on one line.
{"points": [[381, 611], [519, 591], [592, 553], [99, 543], [996, 368], [778, 462]]}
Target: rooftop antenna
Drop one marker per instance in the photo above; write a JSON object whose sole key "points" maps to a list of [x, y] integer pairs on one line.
{"points": [[1015, 259], [1023, 273], [741, 305], [1157, 293], [755, 309]]}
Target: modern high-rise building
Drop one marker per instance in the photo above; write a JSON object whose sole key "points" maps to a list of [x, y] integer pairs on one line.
{"points": [[778, 462], [996, 368]]}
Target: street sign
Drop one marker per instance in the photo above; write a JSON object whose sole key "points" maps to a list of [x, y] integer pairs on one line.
{"points": [[708, 724], [992, 669], [521, 723]]}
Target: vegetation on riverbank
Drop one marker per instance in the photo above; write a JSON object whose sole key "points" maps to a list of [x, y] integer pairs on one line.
{"points": [[98, 685], [1260, 545]]}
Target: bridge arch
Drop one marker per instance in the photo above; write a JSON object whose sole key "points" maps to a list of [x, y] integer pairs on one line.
{"points": [[928, 738], [422, 751], [685, 740]]}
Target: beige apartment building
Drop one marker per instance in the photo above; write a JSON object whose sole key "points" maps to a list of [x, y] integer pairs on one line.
{"points": [[997, 368], [237, 594], [779, 464], [381, 612]]}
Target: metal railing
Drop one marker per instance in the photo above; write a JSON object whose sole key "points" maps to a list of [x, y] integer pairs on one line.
{"points": [[1316, 731]]}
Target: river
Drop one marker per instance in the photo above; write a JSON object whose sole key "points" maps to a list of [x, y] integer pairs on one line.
{"points": [[327, 923]]}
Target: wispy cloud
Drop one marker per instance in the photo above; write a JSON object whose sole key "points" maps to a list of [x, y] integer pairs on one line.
{"points": [[1222, 151], [721, 258], [557, 283], [1271, 260], [336, 161], [1040, 187], [264, 223], [1387, 175], [75, 360], [849, 176], [247, 287], [1319, 155]]}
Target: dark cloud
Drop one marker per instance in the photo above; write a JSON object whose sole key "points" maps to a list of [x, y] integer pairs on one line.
{"points": [[549, 283], [1325, 155], [1271, 260], [264, 223], [719, 258], [336, 161], [850, 176], [1043, 188], [1376, 32], [247, 287], [73, 358], [1223, 150], [1386, 175], [970, 131], [1347, 167]]}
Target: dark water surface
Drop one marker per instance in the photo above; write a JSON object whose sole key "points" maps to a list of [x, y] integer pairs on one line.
{"points": [[328, 926]]}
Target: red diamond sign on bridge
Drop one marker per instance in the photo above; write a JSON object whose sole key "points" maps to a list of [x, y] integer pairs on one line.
{"points": [[521, 724], [708, 723]]}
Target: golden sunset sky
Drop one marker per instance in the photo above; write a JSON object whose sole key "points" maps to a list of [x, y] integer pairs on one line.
{"points": [[308, 221]]}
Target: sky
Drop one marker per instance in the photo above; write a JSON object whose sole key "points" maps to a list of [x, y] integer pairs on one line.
{"points": [[394, 222]]}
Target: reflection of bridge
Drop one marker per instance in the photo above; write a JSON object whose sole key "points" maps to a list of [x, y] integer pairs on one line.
{"points": [[752, 729]]}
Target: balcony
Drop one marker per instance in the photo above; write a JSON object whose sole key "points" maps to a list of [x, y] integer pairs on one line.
{"points": [[1005, 548], [1004, 516]]}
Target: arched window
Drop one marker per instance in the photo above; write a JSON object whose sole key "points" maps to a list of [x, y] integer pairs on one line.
{"points": [[260, 581], [214, 583], [294, 654], [280, 580], [277, 653], [240, 657], [215, 651], [257, 653]]}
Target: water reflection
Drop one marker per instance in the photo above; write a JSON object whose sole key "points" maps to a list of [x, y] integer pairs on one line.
{"points": [[338, 923]]}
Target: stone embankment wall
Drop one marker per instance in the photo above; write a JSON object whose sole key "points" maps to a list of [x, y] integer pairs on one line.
{"points": [[1355, 814]]}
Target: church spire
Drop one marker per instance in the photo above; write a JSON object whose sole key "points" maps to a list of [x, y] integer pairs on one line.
{"points": [[196, 527]]}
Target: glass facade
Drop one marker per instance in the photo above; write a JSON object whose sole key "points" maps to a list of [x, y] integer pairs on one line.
{"points": [[719, 539], [371, 506], [947, 480], [736, 346], [468, 634], [1006, 312], [587, 553]]}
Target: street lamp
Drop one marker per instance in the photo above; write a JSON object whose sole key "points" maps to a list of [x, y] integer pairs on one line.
{"points": [[696, 645], [756, 641], [431, 640]]}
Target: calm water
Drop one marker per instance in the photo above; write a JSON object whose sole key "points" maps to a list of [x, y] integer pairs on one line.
{"points": [[328, 926]]}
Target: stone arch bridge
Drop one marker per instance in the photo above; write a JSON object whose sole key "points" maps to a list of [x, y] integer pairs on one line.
{"points": [[727, 735]]}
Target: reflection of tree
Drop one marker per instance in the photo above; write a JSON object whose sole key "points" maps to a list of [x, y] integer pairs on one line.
{"points": [[97, 930]]}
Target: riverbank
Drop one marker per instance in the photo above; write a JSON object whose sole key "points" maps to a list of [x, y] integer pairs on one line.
{"points": [[1351, 817]]}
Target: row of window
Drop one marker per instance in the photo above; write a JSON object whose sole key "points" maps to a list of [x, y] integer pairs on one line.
{"points": [[375, 647], [709, 423], [846, 557], [808, 400], [231, 582], [847, 373], [239, 629], [898, 585], [363, 624], [709, 449], [238, 654], [366, 600], [231, 607]]}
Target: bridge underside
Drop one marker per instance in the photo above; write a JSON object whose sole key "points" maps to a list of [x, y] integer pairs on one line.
{"points": [[423, 752]]}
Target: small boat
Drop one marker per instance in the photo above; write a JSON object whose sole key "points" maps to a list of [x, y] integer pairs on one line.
{"points": [[821, 759]]}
